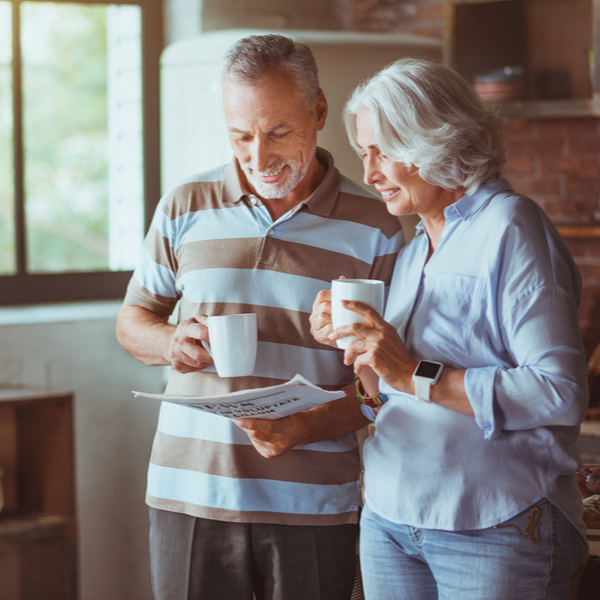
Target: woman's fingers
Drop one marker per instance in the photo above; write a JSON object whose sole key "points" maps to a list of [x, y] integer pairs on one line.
{"points": [[364, 310]]}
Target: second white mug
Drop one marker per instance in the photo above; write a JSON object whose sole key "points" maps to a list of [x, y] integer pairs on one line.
{"points": [[233, 342], [369, 291]]}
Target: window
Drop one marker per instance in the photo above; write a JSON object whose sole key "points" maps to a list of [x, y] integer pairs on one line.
{"points": [[79, 146]]}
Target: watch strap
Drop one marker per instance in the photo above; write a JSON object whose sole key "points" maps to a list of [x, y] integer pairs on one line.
{"points": [[423, 389]]}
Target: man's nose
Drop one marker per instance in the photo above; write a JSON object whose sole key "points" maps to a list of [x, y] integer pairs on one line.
{"points": [[261, 155]]}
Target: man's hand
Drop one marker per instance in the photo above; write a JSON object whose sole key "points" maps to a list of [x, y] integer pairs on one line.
{"points": [[331, 420], [186, 353], [154, 341], [320, 319], [274, 437]]}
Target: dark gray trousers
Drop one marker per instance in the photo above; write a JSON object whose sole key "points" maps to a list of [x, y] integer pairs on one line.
{"points": [[202, 559]]}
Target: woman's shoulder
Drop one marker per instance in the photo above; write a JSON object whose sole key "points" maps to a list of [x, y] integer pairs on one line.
{"points": [[512, 207], [515, 216], [530, 245]]}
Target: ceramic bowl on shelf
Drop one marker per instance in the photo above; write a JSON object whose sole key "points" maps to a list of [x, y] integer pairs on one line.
{"points": [[500, 85]]}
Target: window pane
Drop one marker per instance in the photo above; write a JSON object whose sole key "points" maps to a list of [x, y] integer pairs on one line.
{"points": [[7, 228], [83, 136]]}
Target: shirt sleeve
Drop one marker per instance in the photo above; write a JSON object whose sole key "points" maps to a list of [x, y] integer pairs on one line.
{"points": [[546, 384], [153, 285], [368, 412]]}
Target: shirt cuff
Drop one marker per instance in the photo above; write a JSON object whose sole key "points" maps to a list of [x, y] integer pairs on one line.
{"points": [[479, 386], [368, 412]]}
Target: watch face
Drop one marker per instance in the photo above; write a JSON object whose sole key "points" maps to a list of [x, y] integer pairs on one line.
{"points": [[427, 369]]}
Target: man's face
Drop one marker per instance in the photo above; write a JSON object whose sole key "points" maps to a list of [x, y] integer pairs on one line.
{"points": [[273, 134]]}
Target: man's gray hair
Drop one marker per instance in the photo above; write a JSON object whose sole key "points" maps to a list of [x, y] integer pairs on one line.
{"points": [[426, 115], [252, 58]]}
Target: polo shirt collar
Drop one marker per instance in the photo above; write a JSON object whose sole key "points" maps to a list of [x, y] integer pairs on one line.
{"points": [[232, 189], [320, 202]]}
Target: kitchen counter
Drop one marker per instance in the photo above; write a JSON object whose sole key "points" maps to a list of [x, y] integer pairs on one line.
{"points": [[590, 429]]}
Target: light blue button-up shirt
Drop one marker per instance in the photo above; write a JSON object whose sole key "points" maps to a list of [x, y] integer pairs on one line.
{"points": [[498, 298]]}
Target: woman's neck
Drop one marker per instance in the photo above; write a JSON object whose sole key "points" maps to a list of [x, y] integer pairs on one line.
{"points": [[435, 219]]}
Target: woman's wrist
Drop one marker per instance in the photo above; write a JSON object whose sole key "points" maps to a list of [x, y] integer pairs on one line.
{"points": [[373, 400]]}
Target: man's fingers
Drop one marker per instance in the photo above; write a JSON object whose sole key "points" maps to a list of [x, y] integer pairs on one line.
{"points": [[324, 296]]}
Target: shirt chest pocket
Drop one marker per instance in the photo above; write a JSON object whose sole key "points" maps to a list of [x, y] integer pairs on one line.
{"points": [[454, 317]]}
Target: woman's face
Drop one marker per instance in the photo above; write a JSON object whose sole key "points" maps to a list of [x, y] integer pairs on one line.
{"points": [[401, 188]]}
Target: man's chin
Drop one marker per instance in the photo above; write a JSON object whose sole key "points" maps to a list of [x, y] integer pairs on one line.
{"points": [[271, 192]]}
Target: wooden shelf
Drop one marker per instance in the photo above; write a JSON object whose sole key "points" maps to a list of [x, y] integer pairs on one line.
{"points": [[551, 108], [554, 41], [38, 525], [29, 525], [579, 231]]}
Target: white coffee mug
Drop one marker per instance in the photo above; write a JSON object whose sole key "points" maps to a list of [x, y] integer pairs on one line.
{"points": [[369, 291], [233, 343]]}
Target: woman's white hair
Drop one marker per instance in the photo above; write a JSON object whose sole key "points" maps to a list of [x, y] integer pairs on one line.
{"points": [[426, 115]]}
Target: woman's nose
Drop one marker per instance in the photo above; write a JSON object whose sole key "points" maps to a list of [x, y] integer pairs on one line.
{"points": [[372, 174]]}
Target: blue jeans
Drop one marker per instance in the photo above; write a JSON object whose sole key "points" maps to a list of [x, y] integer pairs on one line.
{"points": [[537, 555]]}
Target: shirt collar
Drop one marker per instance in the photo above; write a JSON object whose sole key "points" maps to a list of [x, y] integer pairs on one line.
{"points": [[320, 202], [232, 189], [470, 204]]}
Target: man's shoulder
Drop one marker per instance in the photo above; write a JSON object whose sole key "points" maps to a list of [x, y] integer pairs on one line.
{"points": [[348, 186], [362, 206], [197, 192], [215, 175]]}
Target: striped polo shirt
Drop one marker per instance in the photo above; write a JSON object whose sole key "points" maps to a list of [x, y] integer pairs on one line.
{"points": [[214, 248]]}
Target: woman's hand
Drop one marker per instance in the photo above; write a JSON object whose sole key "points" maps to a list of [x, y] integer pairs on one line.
{"points": [[379, 347], [321, 326]]}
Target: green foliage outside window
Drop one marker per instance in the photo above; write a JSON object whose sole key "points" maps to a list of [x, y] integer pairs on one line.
{"points": [[7, 241], [65, 136]]}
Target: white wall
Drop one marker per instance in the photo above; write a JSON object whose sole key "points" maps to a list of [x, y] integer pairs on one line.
{"points": [[187, 18], [75, 348]]}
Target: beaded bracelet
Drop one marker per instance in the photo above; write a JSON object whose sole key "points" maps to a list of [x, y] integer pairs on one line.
{"points": [[372, 401]]}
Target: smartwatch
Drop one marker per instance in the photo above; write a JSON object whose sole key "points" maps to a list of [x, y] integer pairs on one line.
{"points": [[426, 374]]}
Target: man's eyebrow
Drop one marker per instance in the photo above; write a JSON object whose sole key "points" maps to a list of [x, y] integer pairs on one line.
{"points": [[283, 125], [277, 127]]}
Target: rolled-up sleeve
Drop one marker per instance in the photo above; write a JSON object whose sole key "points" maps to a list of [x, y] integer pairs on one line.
{"points": [[547, 384]]}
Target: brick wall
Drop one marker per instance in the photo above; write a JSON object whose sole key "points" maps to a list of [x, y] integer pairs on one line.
{"points": [[554, 161]]}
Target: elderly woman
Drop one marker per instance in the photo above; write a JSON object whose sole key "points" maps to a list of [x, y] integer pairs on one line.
{"points": [[476, 370]]}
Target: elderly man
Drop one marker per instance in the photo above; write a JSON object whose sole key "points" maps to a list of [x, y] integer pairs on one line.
{"points": [[256, 507]]}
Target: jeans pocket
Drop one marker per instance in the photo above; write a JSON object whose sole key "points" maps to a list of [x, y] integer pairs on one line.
{"points": [[533, 521]]}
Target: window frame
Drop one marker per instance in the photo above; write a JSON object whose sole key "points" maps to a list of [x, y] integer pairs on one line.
{"points": [[35, 288]]}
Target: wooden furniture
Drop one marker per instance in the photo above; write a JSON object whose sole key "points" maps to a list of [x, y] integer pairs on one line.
{"points": [[557, 42], [38, 529]]}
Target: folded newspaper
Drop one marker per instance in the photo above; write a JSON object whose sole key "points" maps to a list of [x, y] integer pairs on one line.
{"points": [[272, 402]]}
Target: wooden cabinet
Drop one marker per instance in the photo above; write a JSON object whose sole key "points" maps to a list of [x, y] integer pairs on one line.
{"points": [[556, 42], [38, 528]]}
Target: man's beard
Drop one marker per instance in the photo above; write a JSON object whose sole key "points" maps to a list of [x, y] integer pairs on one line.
{"points": [[297, 172]]}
